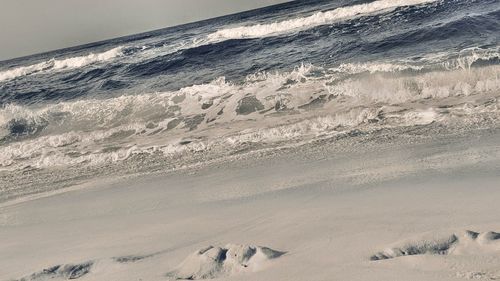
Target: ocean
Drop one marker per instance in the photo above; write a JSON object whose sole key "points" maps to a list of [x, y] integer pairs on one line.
{"points": [[261, 80]]}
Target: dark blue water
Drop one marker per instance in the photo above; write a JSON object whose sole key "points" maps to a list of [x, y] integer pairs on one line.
{"points": [[125, 83], [405, 32]]}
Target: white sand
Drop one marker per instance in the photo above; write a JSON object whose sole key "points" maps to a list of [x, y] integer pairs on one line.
{"points": [[409, 205]]}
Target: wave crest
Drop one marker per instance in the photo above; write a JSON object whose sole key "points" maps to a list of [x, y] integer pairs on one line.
{"points": [[317, 19], [57, 65]]}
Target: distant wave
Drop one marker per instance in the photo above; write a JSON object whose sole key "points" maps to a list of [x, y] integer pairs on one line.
{"points": [[24, 70], [55, 65], [319, 18]]}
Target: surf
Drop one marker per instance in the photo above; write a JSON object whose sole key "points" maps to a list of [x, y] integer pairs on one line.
{"points": [[61, 64], [317, 19]]}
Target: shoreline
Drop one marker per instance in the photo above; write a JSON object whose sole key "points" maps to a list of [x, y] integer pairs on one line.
{"points": [[329, 211], [329, 146]]}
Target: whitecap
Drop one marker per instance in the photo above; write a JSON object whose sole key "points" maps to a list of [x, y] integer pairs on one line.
{"points": [[61, 64], [317, 19]]}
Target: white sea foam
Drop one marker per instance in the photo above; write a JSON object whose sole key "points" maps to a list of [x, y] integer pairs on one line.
{"points": [[465, 59], [82, 61], [355, 68], [317, 19], [308, 102], [25, 70], [61, 64], [431, 85], [449, 61]]}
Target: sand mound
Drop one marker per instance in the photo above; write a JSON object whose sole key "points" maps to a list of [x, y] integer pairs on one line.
{"points": [[467, 242], [61, 272], [213, 262]]}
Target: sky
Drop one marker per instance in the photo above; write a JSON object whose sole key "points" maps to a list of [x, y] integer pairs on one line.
{"points": [[35, 26]]}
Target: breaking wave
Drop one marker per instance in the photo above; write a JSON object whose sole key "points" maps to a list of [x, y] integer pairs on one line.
{"points": [[61, 64], [317, 19], [307, 102], [464, 60]]}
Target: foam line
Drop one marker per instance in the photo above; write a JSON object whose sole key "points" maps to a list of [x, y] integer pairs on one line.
{"points": [[55, 65], [317, 19]]}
